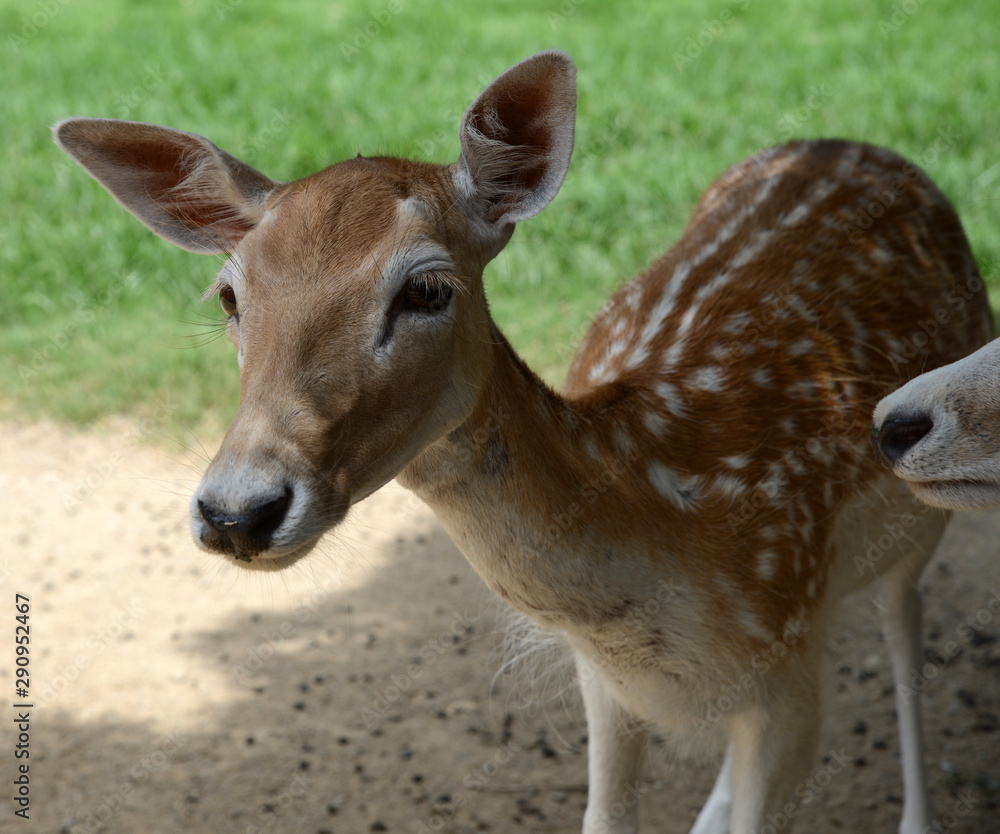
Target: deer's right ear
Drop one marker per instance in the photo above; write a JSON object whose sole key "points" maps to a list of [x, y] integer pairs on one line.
{"points": [[179, 184], [517, 139]]}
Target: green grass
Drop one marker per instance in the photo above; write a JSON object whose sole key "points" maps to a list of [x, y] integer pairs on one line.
{"points": [[100, 317]]}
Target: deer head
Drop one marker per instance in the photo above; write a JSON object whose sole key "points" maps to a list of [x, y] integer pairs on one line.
{"points": [[354, 297]]}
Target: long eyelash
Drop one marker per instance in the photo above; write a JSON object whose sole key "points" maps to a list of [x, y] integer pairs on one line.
{"points": [[211, 330]]}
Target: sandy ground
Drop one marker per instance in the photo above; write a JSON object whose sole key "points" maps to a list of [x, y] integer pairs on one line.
{"points": [[360, 692]]}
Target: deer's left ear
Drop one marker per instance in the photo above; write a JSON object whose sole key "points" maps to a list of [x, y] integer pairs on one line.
{"points": [[517, 139]]}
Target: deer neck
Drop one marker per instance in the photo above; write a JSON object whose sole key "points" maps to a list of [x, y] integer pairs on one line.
{"points": [[523, 489]]}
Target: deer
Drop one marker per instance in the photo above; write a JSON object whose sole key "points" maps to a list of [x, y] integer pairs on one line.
{"points": [[940, 432], [687, 504]]}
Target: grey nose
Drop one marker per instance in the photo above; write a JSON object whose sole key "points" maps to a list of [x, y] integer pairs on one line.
{"points": [[897, 435], [244, 533]]}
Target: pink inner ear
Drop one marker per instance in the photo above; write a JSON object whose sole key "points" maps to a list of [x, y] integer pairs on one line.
{"points": [[154, 156], [169, 184], [519, 123], [518, 137]]}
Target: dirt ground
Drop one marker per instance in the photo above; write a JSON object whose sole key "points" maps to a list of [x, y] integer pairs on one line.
{"points": [[362, 691]]}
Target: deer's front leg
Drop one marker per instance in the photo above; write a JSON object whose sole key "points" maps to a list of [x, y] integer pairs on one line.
{"points": [[617, 748]]}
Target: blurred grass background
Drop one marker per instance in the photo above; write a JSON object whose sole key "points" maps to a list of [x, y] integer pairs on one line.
{"points": [[99, 317]]}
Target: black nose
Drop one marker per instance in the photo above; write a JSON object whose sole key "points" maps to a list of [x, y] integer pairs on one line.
{"points": [[897, 435], [244, 533]]}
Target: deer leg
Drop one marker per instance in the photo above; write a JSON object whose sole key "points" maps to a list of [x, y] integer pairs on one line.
{"points": [[616, 750], [774, 744], [714, 816], [901, 624]]}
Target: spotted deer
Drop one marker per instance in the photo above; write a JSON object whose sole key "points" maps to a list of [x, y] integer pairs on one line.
{"points": [[688, 504], [941, 432]]}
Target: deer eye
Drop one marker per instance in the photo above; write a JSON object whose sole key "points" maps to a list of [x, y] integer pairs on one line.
{"points": [[227, 298], [426, 293]]}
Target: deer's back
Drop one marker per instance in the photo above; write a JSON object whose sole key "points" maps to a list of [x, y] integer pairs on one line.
{"points": [[744, 365]]}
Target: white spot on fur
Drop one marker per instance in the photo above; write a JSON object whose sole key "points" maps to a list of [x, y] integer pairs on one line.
{"points": [[673, 355], [797, 214], [413, 207], [802, 347], [761, 377], [683, 491], [752, 626], [767, 565], [752, 249], [671, 397], [737, 323], [847, 165], [730, 486], [624, 443], [803, 389], [659, 313], [713, 286], [655, 423], [737, 461], [638, 356], [710, 378], [793, 630]]}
